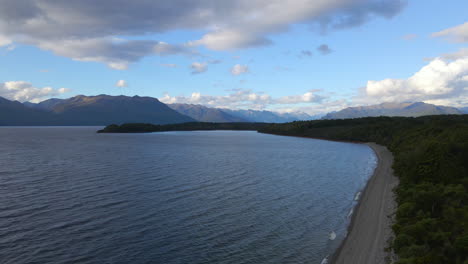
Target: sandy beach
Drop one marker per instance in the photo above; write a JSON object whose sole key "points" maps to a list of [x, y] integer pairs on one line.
{"points": [[370, 226]]}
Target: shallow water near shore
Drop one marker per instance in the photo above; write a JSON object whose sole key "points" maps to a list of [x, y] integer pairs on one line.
{"points": [[69, 195]]}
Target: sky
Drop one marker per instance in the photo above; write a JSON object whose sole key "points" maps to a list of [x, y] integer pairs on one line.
{"points": [[313, 56]]}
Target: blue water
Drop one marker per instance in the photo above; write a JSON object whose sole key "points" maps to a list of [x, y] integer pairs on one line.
{"points": [[69, 195]]}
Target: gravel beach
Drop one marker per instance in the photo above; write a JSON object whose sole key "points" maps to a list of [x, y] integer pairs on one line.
{"points": [[370, 227]]}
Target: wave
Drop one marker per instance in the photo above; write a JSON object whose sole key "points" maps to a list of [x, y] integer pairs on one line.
{"points": [[351, 212], [358, 195], [325, 260]]}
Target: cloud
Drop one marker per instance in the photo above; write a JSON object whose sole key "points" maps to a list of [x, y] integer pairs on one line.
{"points": [[121, 83], [239, 69], [437, 81], [24, 91], [10, 47], [461, 53], [198, 67], [169, 65], [456, 34], [215, 61], [116, 53], [409, 37], [324, 49], [308, 97], [306, 53], [87, 30], [230, 40], [4, 41], [243, 98], [253, 21], [322, 108]]}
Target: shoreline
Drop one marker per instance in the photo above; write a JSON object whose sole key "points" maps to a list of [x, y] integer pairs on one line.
{"points": [[369, 230], [370, 227]]}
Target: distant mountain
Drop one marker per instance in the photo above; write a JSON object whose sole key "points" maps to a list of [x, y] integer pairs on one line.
{"points": [[268, 116], [105, 109], [205, 114], [393, 109], [89, 111], [463, 110], [210, 114], [14, 113], [47, 105]]}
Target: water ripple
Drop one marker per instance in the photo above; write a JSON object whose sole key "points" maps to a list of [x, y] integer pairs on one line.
{"points": [[69, 195]]}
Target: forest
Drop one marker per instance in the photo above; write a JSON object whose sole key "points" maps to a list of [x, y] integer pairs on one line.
{"points": [[190, 126]]}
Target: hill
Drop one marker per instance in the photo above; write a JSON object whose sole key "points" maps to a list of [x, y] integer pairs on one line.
{"points": [[393, 109]]}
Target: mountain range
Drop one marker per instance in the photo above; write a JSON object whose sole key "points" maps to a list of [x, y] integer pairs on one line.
{"points": [[268, 116], [393, 109], [464, 110], [205, 114], [105, 109], [90, 111], [222, 115]]}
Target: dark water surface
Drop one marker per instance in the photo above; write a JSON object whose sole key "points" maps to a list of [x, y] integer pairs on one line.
{"points": [[69, 195]]}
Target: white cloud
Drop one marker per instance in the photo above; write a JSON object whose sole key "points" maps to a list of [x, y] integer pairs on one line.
{"points": [[230, 39], [243, 98], [87, 30], [121, 83], [24, 91], [198, 67], [303, 98], [239, 69], [4, 41], [324, 107], [437, 81], [456, 34]]}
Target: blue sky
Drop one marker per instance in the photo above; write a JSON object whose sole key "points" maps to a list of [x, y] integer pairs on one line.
{"points": [[372, 51]]}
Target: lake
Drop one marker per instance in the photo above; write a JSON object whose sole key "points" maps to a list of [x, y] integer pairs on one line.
{"points": [[69, 195]]}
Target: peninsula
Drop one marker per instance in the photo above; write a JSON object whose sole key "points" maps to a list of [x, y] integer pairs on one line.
{"points": [[430, 160]]}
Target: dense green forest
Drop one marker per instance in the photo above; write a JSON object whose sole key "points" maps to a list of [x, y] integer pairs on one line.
{"points": [[191, 126], [431, 161]]}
